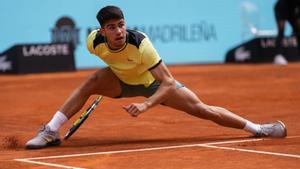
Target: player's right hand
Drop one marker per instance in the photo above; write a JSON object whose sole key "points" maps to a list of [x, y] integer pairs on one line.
{"points": [[134, 109]]}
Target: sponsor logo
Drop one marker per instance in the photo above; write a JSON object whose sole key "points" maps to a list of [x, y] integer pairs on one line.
{"points": [[5, 65], [186, 33], [241, 54], [268, 43], [287, 42], [46, 50], [65, 31]]}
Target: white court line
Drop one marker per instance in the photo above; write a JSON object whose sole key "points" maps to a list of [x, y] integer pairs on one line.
{"points": [[142, 149], [252, 151], [208, 145], [47, 164]]}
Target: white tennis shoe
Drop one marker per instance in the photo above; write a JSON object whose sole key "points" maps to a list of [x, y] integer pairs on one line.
{"points": [[44, 138], [275, 130]]}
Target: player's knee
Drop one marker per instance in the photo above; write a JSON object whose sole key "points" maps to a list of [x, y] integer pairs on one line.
{"points": [[91, 84], [92, 79]]}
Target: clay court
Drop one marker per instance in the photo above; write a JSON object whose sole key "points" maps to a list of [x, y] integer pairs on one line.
{"points": [[162, 137]]}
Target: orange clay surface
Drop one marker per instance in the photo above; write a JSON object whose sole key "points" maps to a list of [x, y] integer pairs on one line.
{"points": [[260, 93]]}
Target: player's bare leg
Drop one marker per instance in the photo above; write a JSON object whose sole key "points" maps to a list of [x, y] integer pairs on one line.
{"points": [[185, 100], [102, 82]]}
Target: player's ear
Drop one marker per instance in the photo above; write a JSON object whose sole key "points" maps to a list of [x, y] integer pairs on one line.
{"points": [[102, 31]]}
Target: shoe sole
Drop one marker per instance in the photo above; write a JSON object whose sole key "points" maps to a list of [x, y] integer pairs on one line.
{"points": [[50, 144], [283, 125]]}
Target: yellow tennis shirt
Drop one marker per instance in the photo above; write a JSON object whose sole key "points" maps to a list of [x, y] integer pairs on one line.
{"points": [[131, 63]]}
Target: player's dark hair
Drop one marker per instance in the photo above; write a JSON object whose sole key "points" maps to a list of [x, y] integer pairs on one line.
{"points": [[109, 12]]}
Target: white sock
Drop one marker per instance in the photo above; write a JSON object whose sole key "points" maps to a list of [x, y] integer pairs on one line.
{"points": [[57, 121], [252, 128]]}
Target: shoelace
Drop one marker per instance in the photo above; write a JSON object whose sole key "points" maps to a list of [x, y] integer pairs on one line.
{"points": [[266, 131], [42, 128]]}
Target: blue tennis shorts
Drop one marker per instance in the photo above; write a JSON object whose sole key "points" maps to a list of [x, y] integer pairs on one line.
{"points": [[141, 90]]}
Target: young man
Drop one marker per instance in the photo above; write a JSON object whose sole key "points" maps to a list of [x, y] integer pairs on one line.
{"points": [[136, 69]]}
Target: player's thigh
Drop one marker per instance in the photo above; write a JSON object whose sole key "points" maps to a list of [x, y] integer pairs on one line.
{"points": [[185, 100], [104, 82]]}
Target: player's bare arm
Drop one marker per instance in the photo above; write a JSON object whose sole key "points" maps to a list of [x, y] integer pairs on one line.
{"points": [[167, 87]]}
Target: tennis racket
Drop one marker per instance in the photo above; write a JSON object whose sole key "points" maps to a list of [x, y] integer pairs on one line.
{"points": [[82, 118]]}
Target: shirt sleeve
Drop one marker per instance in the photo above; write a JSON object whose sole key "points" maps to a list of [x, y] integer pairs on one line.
{"points": [[150, 57], [90, 41]]}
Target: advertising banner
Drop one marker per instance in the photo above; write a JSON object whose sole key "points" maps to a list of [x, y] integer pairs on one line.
{"points": [[37, 58], [182, 31], [264, 50]]}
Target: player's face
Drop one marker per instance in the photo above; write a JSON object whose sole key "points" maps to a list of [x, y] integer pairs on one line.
{"points": [[115, 33]]}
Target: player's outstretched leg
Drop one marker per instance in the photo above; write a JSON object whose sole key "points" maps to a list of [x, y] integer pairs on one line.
{"points": [[102, 82], [185, 100]]}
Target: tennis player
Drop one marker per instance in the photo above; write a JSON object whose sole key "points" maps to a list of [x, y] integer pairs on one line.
{"points": [[136, 69]]}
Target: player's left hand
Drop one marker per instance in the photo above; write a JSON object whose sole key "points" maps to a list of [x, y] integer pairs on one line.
{"points": [[134, 109]]}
